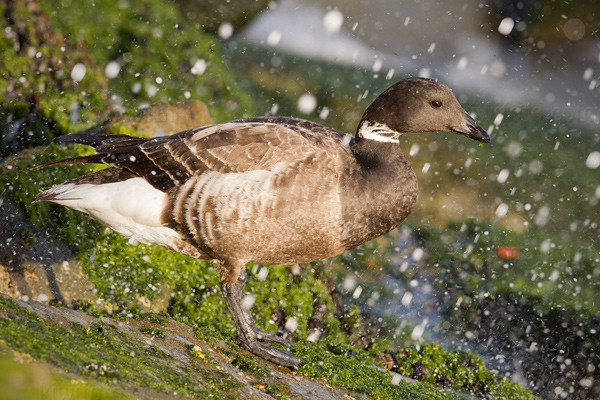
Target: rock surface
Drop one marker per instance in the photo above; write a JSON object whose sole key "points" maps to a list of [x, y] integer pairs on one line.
{"points": [[182, 350]]}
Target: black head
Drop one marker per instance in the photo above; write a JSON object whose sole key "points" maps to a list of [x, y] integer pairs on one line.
{"points": [[421, 105]]}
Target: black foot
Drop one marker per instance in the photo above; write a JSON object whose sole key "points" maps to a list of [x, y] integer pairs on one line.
{"points": [[269, 337], [249, 335], [277, 356]]}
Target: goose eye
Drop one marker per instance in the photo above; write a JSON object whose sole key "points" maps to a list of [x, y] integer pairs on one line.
{"points": [[436, 103]]}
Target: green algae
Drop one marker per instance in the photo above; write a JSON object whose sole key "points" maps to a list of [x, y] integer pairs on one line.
{"points": [[289, 292], [156, 51], [36, 381], [277, 391], [245, 363], [40, 97], [355, 370], [124, 130], [104, 353], [156, 332], [461, 370]]}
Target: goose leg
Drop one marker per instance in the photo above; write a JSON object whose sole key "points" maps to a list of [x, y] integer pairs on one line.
{"points": [[269, 337], [248, 333]]}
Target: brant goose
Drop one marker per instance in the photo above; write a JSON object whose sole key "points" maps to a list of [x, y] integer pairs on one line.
{"points": [[272, 190]]}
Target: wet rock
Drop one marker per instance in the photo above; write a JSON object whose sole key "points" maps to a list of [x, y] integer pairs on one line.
{"points": [[35, 266], [193, 367], [159, 119]]}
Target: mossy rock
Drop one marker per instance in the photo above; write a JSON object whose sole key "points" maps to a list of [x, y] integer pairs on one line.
{"points": [[116, 357], [161, 119], [157, 56], [56, 75], [41, 97]]}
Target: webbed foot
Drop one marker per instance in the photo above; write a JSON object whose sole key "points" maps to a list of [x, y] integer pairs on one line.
{"points": [[249, 335]]}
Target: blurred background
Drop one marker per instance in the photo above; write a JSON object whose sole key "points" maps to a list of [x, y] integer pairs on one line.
{"points": [[501, 255]]}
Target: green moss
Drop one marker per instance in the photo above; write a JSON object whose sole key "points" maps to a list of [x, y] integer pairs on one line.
{"points": [[39, 50], [101, 371], [153, 69], [155, 351], [124, 130], [222, 381], [287, 294], [135, 312], [245, 363], [104, 353], [458, 369], [156, 332], [36, 381], [354, 369], [40, 98], [196, 351], [88, 307], [357, 372], [275, 390]]}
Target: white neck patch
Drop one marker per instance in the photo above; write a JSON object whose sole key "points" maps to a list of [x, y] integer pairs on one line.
{"points": [[378, 132]]}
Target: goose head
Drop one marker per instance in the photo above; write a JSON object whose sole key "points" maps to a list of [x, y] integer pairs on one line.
{"points": [[417, 105]]}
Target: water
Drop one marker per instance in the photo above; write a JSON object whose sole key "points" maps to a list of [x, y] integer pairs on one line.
{"points": [[455, 41]]}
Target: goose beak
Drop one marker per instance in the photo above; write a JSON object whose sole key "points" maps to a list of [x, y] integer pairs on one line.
{"points": [[470, 128]]}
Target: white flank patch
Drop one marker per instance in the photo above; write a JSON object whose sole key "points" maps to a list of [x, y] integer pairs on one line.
{"points": [[378, 132], [131, 208]]}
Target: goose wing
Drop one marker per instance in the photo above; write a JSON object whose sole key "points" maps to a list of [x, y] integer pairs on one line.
{"points": [[236, 146]]}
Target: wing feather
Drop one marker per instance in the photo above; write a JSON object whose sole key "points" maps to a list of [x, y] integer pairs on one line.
{"points": [[236, 146]]}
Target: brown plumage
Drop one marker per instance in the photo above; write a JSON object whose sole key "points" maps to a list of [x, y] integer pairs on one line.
{"points": [[272, 190]]}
